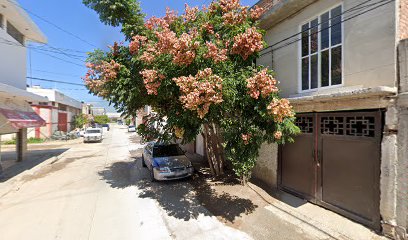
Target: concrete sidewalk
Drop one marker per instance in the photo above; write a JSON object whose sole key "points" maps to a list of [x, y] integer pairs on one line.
{"points": [[311, 218], [280, 215], [38, 156]]}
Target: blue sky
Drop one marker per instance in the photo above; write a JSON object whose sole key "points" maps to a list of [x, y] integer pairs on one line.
{"points": [[74, 17]]}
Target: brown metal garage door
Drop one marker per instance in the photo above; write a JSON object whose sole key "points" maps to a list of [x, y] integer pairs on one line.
{"points": [[62, 122], [335, 163]]}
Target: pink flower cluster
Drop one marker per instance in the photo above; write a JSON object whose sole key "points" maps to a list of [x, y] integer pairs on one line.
{"points": [[278, 135], [136, 43], [280, 109], [247, 43], [236, 16], [246, 138], [155, 22], [200, 91], [184, 50], [170, 17], [229, 5], [149, 54], [152, 80], [99, 74], [165, 41], [190, 14], [256, 12], [106, 71], [262, 84], [114, 48], [208, 27], [109, 70], [215, 53]]}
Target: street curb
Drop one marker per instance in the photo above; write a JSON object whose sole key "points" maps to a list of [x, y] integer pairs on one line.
{"points": [[15, 183]]}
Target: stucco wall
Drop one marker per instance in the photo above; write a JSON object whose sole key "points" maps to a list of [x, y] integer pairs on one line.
{"points": [[402, 174], [200, 145], [403, 19], [54, 120], [368, 41], [44, 132], [12, 67], [266, 168]]}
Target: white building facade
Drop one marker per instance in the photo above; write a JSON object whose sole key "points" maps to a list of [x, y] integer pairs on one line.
{"points": [[16, 29]]}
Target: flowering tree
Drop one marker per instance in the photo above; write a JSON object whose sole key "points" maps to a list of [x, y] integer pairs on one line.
{"points": [[197, 71]]}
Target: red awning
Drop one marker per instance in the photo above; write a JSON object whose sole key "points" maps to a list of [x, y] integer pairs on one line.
{"points": [[22, 119]]}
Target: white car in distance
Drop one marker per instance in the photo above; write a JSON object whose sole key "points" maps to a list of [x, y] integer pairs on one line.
{"points": [[93, 135], [131, 128]]}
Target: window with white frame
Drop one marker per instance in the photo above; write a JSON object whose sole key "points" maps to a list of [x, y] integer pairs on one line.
{"points": [[321, 51]]}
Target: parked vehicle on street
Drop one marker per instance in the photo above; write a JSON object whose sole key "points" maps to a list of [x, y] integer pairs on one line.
{"points": [[82, 132], [93, 135], [166, 161], [105, 127], [119, 122], [131, 128]]}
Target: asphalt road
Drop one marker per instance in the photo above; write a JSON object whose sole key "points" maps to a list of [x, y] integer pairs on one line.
{"points": [[98, 191]]}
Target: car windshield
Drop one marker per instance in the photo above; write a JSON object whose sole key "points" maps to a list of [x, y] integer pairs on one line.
{"points": [[131, 126], [167, 151], [93, 131], [105, 125]]}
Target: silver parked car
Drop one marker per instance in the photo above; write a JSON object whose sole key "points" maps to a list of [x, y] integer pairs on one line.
{"points": [[93, 135], [166, 161]]}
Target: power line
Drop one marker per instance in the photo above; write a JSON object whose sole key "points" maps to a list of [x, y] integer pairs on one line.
{"points": [[62, 52], [40, 48], [55, 81], [61, 59], [69, 50], [78, 57], [345, 20], [64, 60], [55, 73], [52, 24], [68, 89]]}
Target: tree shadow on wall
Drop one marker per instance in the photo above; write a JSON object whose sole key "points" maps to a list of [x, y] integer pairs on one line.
{"points": [[182, 199]]}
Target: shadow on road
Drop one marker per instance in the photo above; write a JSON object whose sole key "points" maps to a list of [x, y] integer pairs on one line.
{"points": [[12, 168], [182, 199]]}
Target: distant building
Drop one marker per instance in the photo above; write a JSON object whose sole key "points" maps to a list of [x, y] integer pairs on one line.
{"points": [[98, 111], [114, 115], [16, 115], [58, 112], [86, 108]]}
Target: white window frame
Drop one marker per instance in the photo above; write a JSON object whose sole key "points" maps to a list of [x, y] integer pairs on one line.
{"points": [[319, 50]]}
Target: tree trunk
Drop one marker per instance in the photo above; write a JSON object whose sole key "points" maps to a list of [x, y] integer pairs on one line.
{"points": [[213, 149], [219, 147]]}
